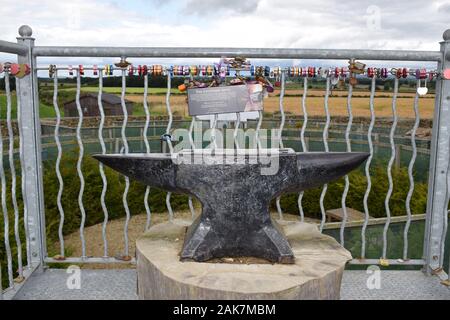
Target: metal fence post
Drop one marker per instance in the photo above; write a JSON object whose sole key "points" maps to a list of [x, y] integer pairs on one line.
{"points": [[439, 159], [31, 133]]}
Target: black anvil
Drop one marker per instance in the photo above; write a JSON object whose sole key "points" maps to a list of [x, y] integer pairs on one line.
{"points": [[235, 194]]}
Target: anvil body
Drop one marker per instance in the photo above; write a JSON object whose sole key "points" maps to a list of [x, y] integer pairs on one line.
{"points": [[235, 197]]}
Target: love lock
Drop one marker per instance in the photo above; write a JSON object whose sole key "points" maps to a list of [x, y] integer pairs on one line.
{"points": [[81, 70], [421, 74], [122, 64], [19, 70], [14, 69], [446, 74], [130, 70], [355, 67], [95, 70], [51, 70], [157, 70]]}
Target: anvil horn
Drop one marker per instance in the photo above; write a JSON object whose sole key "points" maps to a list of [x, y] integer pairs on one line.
{"points": [[318, 168]]}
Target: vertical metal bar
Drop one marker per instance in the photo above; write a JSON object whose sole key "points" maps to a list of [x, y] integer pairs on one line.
{"points": [[23, 183], [258, 128], [445, 214], [367, 168], [213, 132], [31, 133], [325, 145], [389, 168], [3, 198], [12, 169], [169, 141], [410, 173], [58, 163], [126, 150], [147, 150], [191, 143], [283, 119], [302, 138], [349, 149], [236, 129], [79, 164], [100, 165], [439, 158], [281, 106], [191, 129]]}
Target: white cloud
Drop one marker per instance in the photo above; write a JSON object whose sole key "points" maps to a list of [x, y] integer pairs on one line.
{"points": [[412, 24]]}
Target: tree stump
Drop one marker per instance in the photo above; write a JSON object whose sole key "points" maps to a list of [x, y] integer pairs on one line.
{"points": [[316, 273]]}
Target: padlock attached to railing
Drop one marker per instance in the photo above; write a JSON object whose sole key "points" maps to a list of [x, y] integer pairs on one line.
{"points": [[51, 70], [95, 70], [371, 72], [17, 70], [131, 70], [81, 70], [157, 70]]}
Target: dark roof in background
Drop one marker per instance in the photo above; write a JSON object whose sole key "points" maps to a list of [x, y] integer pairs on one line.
{"points": [[106, 97]]}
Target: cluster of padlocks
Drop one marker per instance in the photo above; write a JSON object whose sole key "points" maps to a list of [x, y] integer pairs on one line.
{"points": [[223, 71], [18, 70]]}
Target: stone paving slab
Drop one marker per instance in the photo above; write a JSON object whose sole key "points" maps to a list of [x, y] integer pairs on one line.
{"points": [[121, 284]]}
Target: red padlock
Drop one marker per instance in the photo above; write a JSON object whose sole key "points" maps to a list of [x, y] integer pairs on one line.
{"points": [[139, 70], [14, 69], [383, 73], [130, 70], [81, 70], [399, 73], [343, 72], [446, 74], [311, 71], [144, 70], [336, 72], [404, 73], [431, 75], [370, 72]]}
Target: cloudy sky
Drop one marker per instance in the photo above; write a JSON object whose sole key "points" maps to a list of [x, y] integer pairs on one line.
{"points": [[385, 24]]}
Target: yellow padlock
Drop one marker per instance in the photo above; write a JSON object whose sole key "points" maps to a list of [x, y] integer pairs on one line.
{"points": [[384, 262]]}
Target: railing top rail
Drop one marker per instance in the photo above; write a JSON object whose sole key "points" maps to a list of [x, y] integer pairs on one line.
{"points": [[11, 47], [197, 52]]}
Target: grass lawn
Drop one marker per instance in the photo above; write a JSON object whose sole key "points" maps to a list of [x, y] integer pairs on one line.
{"points": [[45, 111]]}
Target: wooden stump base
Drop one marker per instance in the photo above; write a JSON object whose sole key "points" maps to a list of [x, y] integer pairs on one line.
{"points": [[316, 273]]}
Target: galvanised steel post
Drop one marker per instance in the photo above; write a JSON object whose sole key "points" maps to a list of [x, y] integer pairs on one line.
{"points": [[31, 133], [439, 160]]}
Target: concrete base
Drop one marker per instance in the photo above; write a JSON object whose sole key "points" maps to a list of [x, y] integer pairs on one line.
{"points": [[316, 273]]}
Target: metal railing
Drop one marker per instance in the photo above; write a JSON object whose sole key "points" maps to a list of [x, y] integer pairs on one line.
{"points": [[30, 206]]}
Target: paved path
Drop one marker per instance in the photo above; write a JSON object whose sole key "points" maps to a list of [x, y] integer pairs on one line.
{"points": [[121, 284]]}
